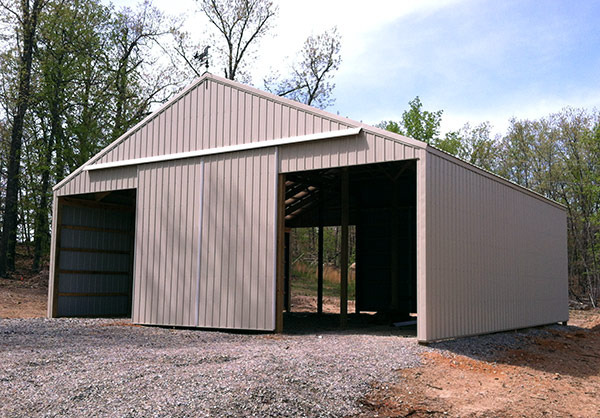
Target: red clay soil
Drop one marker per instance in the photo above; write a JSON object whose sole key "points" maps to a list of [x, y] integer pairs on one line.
{"points": [[557, 375]]}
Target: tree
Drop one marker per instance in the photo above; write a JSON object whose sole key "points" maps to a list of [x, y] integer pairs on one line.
{"points": [[559, 157], [26, 13], [310, 81], [416, 123], [93, 73], [139, 77], [452, 143], [421, 124], [579, 145], [69, 53], [474, 145], [240, 25]]}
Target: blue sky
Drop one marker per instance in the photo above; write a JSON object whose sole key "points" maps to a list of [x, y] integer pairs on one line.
{"points": [[481, 61], [476, 60]]}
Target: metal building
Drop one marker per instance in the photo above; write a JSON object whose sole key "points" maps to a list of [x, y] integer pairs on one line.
{"points": [[182, 221]]}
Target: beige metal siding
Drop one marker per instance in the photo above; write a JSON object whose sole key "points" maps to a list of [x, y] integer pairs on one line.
{"points": [[214, 114], [496, 255], [237, 258], [365, 148], [205, 242], [166, 243], [99, 181]]}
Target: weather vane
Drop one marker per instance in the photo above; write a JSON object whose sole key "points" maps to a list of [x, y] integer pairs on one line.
{"points": [[202, 57]]}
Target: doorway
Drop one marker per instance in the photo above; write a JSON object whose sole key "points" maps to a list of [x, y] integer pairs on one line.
{"points": [[380, 201], [94, 255]]}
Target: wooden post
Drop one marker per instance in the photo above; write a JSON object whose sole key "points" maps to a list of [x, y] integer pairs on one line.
{"points": [[344, 248], [280, 253], [286, 273], [395, 270], [320, 258]]}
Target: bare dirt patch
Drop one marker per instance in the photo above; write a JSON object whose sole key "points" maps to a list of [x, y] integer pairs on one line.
{"points": [[24, 293], [550, 372], [24, 296], [303, 303]]}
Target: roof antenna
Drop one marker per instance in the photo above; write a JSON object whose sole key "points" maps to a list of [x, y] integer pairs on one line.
{"points": [[202, 57]]}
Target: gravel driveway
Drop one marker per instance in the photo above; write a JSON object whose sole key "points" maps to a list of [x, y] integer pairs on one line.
{"points": [[99, 367]]}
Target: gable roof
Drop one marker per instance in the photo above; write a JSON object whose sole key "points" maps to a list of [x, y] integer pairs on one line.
{"points": [[121, 148], [134, 147]]}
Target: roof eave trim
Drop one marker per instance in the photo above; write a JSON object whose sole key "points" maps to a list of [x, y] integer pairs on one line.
{"points": [[227, 149]]}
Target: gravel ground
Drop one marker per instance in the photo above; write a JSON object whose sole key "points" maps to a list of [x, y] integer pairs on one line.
{"points": [[100, 367]]}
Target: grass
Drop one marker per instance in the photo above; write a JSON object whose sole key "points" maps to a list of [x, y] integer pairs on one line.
{"points": [[304, 281]]}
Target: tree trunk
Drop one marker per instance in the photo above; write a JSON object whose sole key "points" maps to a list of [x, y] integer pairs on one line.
{"points": [[41, 217], [9, 227]]}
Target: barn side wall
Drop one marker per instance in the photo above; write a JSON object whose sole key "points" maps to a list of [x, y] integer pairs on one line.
{"points": [[496, 255]]}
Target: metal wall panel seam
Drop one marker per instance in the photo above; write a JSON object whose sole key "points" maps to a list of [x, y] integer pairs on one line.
{"points": [[188, 226], [243, 227], [200, 216], [275, 232], [174, 277], [148, 244], [422, 246], [232, 271], [133, 255]]}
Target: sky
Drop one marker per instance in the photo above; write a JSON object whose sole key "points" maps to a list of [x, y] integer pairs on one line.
{"points": [[475, 60]]}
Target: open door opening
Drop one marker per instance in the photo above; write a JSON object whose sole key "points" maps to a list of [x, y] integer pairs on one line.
{"points": [[94, 255], [380, 201]]}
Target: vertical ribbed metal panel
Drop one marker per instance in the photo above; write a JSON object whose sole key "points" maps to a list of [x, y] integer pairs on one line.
{"points": [[121, 178], [205, 242], [496, 254], [166, 243], [365, 148], [214, 114], [237, 275]]}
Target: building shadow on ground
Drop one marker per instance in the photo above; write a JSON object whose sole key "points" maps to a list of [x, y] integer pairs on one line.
{"points": [[554, 349], [306, 323]]}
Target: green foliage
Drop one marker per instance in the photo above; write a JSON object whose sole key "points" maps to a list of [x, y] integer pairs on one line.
{"points": [[421, 124], [416, 123], [304, 281], [452, 143], [391, 126], [95, 73]]}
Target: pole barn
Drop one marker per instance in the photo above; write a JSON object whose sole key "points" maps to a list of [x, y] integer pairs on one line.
{"points": [[182, 220]]}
